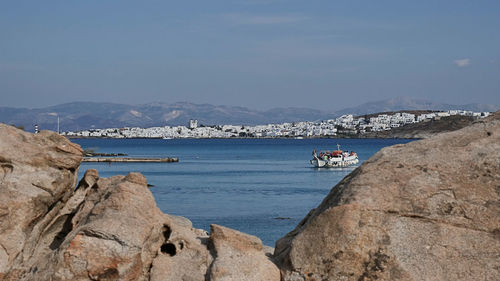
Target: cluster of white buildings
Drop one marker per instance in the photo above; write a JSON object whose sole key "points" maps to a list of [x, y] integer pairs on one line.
{"points": [[346, 124], [384, 122]]}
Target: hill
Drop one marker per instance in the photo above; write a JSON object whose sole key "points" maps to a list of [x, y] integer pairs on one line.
{"points": [[425, 129], [407, 104], [77, 116]]}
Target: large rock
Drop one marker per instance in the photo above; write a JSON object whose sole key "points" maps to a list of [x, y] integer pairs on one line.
{"points": [[118, 233], [239, 256], [104, 229], [37, 173], [426, 210]]}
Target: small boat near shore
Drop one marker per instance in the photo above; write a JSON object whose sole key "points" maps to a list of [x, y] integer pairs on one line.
{"points": [[334, 159]]}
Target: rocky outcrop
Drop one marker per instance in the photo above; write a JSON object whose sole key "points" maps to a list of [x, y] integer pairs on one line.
{"points": [[36, 176], [239, 256], [426, 210], [105, 228]]}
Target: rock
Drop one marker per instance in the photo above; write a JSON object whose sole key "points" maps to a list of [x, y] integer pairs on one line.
{"points": [[114, 233], [111, 229], [89, 179], [239, 256], [183, 255], [105, 228], [426, 210], [37, 175]]}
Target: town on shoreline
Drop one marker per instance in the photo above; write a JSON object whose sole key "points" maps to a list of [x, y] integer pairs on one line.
{"points": [[344, 126]]}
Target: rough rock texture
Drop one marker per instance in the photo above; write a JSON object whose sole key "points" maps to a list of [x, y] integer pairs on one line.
{"points": [[239, 256], [35, 173], [104, 229], [426, 210]]}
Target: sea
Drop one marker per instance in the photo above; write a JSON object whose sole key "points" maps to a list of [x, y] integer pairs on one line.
{"points": [[263, 187]]}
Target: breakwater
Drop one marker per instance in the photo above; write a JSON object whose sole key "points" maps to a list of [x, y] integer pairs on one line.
{"points": [[130, 160]]}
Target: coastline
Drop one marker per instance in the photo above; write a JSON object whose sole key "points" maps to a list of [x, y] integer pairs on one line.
{"points": [[358, 136], [397, 126]]}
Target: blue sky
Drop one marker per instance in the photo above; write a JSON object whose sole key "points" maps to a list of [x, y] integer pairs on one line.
{"points": [[259, 54]]}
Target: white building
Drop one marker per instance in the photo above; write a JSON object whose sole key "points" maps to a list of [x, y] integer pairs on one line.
{"points": [[346, 124], [193, 124]]}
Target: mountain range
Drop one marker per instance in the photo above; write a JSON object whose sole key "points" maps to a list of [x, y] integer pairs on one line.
{"points": [[87, 115]]}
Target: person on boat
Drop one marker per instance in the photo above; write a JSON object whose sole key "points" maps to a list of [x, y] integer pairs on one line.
{"points": [[314, 154]]}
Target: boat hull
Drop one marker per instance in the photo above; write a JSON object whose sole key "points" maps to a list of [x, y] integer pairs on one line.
{"points": [[318, 163], [335, 163]]}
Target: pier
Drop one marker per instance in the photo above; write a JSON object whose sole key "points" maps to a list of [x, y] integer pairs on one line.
{"points": [[130, 160]]}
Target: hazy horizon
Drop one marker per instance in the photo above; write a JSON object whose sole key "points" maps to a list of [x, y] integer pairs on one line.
{"points": [[250, 108], [259, 54]]}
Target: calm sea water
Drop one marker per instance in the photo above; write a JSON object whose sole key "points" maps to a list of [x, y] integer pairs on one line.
{"points": [[259, 186]]}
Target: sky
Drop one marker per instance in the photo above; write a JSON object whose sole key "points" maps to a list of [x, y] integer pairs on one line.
{"points": [[258, 54]]}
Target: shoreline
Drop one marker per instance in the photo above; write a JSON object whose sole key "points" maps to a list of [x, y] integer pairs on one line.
{"points": [[291, 138]]}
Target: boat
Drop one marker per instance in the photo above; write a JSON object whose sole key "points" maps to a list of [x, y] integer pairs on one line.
{"points": [[334, 159]]}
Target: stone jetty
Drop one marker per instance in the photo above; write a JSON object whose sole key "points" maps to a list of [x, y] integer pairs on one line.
{"points": [[130, 160]]}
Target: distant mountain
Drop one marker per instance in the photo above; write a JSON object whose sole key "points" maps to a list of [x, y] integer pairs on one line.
{"points": [[407, 103], [87, 115]]}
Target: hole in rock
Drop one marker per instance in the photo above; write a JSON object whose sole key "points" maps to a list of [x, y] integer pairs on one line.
{"points": [[166, 232], [168, 248]]}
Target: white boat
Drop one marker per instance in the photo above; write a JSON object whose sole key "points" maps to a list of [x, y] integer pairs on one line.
{"points": [[334, 159]]}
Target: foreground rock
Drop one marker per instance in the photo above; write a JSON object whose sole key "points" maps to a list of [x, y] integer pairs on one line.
{"points": [[427, 210], [239, 256], [105, 229], [36, 176]]}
